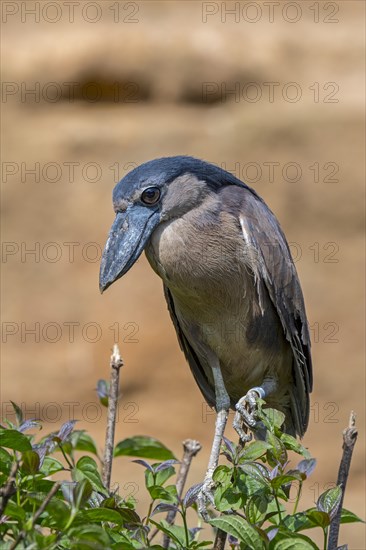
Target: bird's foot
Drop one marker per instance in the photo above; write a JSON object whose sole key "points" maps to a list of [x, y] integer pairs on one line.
{"points": [[246, 413], [205, 496]]}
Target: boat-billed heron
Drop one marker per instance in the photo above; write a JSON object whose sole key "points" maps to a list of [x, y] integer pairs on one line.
{"points": [[230, 284]]}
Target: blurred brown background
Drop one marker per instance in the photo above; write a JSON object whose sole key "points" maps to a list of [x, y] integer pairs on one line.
{"points": [[271, 91]]}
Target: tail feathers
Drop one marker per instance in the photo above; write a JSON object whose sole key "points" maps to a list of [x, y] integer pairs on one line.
{"points": [[295, 417]]}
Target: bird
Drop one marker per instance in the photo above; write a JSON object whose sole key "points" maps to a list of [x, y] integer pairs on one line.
{"points": [[230, 284]]}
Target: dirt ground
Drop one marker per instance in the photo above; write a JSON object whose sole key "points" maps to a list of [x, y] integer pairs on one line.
{"points": [[278, 98]]}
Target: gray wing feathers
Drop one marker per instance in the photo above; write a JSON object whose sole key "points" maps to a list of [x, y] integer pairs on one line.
{"points": [[193, 361], [275, 273]]}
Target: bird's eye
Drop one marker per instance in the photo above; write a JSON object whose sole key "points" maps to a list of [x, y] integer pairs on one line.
{"points": [[151, 195]]}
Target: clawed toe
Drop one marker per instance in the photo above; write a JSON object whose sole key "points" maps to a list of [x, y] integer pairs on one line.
{"points": [[246, 409], [204, 497]]}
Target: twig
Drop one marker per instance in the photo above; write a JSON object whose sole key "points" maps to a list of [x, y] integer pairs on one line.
{"points": [[349, 441], [40, 511], [220, 540], [9, 489], [190, 447], [116, 363]]}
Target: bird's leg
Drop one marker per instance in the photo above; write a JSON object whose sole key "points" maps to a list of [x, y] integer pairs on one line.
{"points": [[246, 408], [222, 412]]}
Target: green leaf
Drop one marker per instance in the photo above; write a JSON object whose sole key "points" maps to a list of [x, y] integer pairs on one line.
{"points": [[12, 439], [293, 445], [82, 441], [330, 500], [272, 511], [256, 508], [238, 527], [82, 492], [256, 471], [163, 475], [87, 468], [51, 465], [298, 522], [285, 479], [122, 541], [223, 475], [6, 461], [89, 536], [109, 502], [129, 517], [143, 446], [227, 499], [14, 511], [349, 517], [275, 418], [30, 462], [40, 485], [45, 541], [166, 494], [96, 515], [168, 530], [307, 520], [288, 541], [18, 412], [178, 532], [321, 519], [278, 452], [255, 450], [56, 515]]}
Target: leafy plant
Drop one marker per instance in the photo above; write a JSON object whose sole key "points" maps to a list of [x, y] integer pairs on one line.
{"points": [[251, 495]]}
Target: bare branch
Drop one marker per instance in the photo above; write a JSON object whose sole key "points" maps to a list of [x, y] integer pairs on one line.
{"points": [[116, 363], [349, 441], [190, 447], [220, 540]]}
